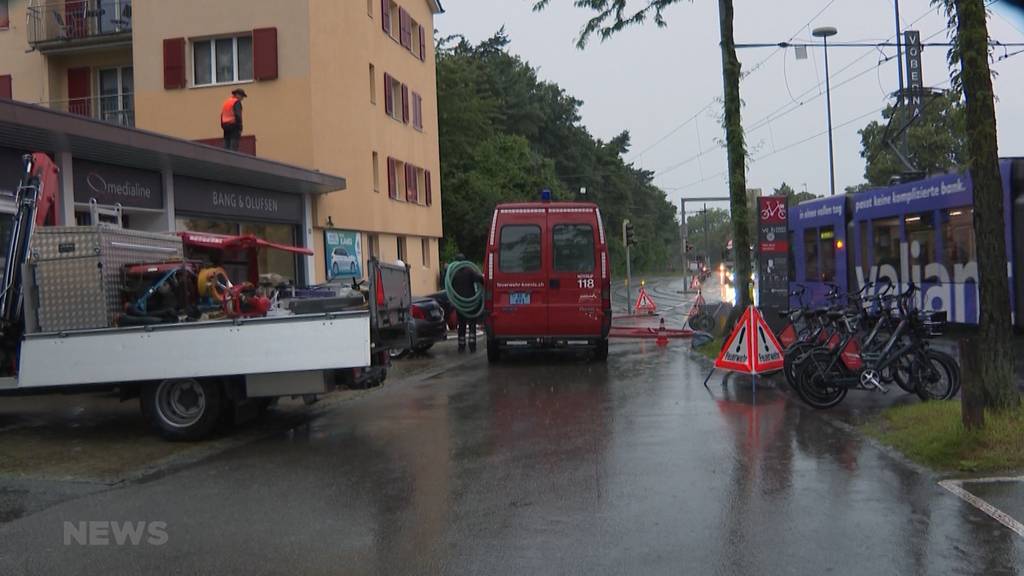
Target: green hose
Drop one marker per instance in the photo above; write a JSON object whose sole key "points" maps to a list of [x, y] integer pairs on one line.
{"points": [[472, 307]]}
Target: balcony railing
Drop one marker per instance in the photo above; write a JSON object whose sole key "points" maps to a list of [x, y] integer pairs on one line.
{"points": [[62, 24], [119, 109]]}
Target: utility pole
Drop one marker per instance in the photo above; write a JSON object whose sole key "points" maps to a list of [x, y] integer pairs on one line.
{"points": [[686, 260], [707, 239]]}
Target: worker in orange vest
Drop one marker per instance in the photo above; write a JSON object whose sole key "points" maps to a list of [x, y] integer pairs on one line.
{"points": [[231, 119]]}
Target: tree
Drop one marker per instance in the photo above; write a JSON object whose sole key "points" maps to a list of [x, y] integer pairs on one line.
{"points": [[505, 135], [988, 382], [718, 232], [792, 195], [613, 16], [936, 141]]}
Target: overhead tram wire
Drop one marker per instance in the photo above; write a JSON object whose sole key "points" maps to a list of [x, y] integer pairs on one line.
{"points": [[789, 107], [823, 133], [745, 75]]}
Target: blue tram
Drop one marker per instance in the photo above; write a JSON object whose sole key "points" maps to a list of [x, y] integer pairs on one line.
{"points": [[920, 232]]}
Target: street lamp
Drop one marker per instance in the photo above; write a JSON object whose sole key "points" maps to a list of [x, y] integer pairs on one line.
{"points": [[825, 32]]}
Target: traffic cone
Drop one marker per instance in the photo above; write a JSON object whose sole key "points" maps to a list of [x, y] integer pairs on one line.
{"points": [[662, 336]]}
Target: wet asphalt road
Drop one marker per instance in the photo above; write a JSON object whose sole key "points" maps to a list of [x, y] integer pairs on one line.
{"points": [[540, 465]]}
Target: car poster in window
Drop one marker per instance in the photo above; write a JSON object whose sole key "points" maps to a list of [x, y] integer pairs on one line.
{"points": [[344, 252]]}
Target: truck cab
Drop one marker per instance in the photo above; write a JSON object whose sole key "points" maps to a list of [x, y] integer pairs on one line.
{"points": [[547, 278]]}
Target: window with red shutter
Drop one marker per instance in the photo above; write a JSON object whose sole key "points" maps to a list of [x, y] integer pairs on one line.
{"points": [[408, 184], [389, 96], [406, 29], [174, 63], [417, 111], [385, 15], [428, 191], [405, 103], [392, 179], [264, 54], [6, 87]]}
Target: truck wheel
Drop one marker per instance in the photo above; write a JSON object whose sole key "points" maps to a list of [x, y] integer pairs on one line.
{"points": [[493, 352], [183, 409], [601, 352]]}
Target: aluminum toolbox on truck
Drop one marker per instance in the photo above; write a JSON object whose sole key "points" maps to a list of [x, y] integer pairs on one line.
{"points": [[76, 278]]}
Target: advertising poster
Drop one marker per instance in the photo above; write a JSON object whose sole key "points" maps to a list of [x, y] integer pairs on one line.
{"points": [[344, 251]]}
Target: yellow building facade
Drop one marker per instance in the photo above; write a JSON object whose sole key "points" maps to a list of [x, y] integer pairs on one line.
{"points": [[347, 87]]}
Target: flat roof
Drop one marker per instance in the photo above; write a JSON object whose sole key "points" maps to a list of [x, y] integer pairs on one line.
{"points": [[35, 128]]}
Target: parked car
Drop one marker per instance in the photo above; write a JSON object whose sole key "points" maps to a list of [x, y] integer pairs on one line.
{"points": [[343, 263], [449, 311], [547, 278], [430, 323]]}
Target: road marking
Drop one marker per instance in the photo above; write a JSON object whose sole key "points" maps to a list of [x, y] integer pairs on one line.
{"points": [[957, 488]]}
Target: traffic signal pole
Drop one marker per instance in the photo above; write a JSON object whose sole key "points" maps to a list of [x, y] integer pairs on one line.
{"points": [[627, 229]]}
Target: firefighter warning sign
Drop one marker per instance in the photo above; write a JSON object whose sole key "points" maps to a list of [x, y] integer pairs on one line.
{"points": [[644, 303], [752, 347]]}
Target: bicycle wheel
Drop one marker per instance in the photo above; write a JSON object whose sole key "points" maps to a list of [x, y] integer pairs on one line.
{"points": [[937, 376], [817, 385], [702, 323], [792, 357]]}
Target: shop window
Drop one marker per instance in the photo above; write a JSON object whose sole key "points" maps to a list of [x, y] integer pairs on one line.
{"points": [[222, 60], [520, 250], [425, 251], [828, 253], [920, 230], [573, 248], [885, 239], [274, 265], [403, 249], [811, 254], [373, 84], [84, 218], [958, 243], [373, 245]]}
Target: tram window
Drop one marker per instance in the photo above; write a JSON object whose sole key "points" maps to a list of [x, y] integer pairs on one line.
{"points": [[811, 254], [921, 231], [828, 254], [865, 253], [885, 238], [958, 242], [791, 261]]}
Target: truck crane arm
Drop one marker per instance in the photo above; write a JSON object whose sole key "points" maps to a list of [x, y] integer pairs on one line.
{"points": [[37, 206]]}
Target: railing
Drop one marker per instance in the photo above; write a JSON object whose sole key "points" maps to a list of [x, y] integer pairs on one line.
{"points": [[61, 22], [119, 109]]}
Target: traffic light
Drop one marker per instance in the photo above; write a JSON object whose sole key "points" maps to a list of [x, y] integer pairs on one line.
{"points": [[630, 238]]}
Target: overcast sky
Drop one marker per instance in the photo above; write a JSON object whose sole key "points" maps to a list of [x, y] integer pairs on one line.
{"points": [[651, 81]]}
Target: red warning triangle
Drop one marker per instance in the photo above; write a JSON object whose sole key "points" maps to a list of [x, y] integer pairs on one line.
{"points": [[644, 302], [735, 354], [767, 351], [752, 347]]}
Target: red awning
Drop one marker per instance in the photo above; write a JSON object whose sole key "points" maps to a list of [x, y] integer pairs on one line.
{"points": [[246, 242]]}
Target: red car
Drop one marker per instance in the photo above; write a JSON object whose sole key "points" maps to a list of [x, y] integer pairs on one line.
{"points": [[547, 278]]}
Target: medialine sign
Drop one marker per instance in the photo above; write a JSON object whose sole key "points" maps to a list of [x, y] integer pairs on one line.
{"points": [[109, 185]]}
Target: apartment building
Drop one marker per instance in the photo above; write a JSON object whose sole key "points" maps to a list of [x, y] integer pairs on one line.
{"points": [[346, 87]]}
